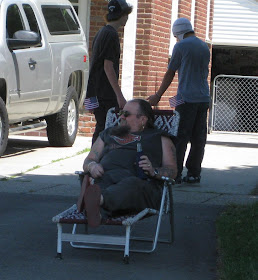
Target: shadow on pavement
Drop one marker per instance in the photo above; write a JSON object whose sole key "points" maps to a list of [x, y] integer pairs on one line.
{"points": [[28, 245], [59, 178], [233, 144], [16, 147]]}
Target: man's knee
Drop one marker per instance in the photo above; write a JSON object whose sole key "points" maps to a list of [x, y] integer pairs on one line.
{"points": [[124, 194]]}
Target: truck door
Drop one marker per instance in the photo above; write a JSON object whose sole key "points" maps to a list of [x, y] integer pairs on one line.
{"points": [[31, 95]]}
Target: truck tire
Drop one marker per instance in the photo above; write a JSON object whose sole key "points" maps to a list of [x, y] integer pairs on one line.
{"points": [[62, 127], [4, 127]]}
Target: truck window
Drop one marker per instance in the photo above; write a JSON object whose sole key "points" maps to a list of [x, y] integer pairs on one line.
{"points": [[60, 20], [31, 18], [14, 20]]}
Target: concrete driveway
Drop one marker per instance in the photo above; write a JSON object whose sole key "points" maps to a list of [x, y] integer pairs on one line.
{"points": [[38, 181]]}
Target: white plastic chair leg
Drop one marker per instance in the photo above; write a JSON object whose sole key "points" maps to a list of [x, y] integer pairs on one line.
{"points": [[59, 241], [127, 244]]}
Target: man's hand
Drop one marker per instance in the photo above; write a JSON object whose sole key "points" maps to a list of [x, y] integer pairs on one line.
{"points": [[91, 111], [96, 170], [154, 99], [146, 165]]}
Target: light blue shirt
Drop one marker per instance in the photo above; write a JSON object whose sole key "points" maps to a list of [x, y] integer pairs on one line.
{"points": [[191, 58]]}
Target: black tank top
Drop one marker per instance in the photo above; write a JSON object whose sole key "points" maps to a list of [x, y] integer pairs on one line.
{"points": [[120, 152]]}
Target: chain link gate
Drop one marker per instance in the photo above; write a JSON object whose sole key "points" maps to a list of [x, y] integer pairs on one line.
{"points": [[235, 104]]}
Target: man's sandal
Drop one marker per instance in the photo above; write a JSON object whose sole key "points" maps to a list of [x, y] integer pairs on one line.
{"points": [[192, 179]]}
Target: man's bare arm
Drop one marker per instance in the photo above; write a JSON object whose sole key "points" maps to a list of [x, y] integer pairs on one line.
{"points": [[91, 162], [169, 164], [111, 75], [167, 80]]}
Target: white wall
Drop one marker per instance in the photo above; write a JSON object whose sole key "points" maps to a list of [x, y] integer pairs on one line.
{"points": [[235, 23]]}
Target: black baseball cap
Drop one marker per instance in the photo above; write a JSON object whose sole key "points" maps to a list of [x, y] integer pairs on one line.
{"points": [[118, 8]]}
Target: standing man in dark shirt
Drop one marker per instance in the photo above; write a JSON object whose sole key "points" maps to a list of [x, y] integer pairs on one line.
{"points": [[104, 67]]}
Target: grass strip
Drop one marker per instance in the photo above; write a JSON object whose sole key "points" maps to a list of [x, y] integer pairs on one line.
{"points": [[237, 230], [77, 154], [38, 166]]}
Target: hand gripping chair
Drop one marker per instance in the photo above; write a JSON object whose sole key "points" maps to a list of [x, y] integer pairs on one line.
{"points": [[165, 120]]}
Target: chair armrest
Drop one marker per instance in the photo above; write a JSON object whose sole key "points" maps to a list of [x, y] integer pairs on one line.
{"points": [[163, 178], [80, 173], [168, 180]]}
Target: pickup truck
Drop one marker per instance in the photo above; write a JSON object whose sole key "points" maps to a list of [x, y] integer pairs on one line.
{"points": [[43, 69]]}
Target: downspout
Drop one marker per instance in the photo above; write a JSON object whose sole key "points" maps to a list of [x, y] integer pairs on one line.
{"points": [[193, 13], [207, 39], [174, 16]]}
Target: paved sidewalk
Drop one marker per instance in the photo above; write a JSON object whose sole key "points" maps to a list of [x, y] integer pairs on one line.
{"points": [[229, 170], [31, 166]]}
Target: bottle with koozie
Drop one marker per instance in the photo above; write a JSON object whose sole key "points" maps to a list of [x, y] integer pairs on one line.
{"points": [[139, 170]]}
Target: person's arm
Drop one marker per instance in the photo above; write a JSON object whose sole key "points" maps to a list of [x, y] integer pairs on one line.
{"points": [[111, 75], [169, 165], [91, 162], [167, 80]]}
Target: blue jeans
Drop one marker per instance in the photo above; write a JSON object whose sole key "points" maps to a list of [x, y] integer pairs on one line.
{"points": [[192, 128]]}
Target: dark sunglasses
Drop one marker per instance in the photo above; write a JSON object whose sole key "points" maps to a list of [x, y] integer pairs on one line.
{"points": [[126, 114]]}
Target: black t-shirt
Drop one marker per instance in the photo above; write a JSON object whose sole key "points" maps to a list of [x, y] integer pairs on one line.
{"points": [[106, 45]]}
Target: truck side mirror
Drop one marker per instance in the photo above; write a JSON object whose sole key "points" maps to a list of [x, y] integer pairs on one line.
{"points": [[23, 39]]}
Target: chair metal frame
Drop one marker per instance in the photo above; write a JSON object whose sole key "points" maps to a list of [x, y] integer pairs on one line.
{"points": [[121, 243]]}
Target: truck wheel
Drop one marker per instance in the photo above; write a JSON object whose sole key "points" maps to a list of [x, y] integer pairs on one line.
{"points": [[62, 127], [4, 127]]}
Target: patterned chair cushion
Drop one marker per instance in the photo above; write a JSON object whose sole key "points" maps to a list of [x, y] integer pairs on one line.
{"points": [[166, 120], [72, 216]]}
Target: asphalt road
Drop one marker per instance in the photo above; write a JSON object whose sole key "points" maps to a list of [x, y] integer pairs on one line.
{"points": [[37, 182], [28, 245]]}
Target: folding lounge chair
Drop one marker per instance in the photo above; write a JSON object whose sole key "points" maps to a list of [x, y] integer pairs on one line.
{"points": [[165, 120]]}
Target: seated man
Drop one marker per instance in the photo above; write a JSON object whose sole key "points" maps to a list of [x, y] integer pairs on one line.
{"points": [[112, 163]]}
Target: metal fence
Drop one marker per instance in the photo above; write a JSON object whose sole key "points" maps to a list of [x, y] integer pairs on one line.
{"points": [[235, 104]]}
